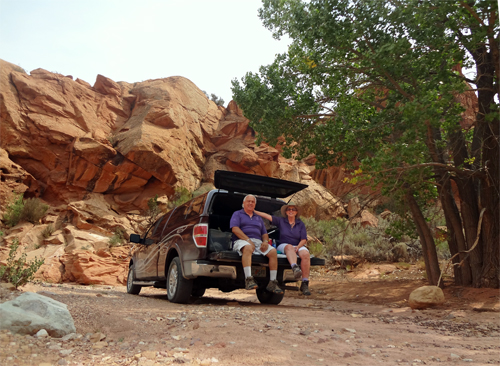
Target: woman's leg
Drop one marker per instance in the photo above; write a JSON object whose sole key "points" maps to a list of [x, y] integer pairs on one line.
{"points": [[305, 263], [290, 254]]}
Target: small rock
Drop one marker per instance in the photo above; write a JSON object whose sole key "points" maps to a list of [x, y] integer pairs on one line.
{"points": [[42, 333], [151, 355]]}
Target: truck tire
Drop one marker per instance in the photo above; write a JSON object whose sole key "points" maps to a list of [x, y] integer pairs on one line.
{"points": [[266, 297], [198, 292], [131, 288], [178, 288]]}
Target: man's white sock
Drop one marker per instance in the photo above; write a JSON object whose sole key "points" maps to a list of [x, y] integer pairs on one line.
{"points": [[247, 271], [273, 274]]}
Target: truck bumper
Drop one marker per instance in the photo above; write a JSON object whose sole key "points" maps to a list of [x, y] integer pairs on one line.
{"points": [[193, 269]]}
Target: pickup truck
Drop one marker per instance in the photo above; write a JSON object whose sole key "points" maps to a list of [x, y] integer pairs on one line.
{"points": [[189, 249]]}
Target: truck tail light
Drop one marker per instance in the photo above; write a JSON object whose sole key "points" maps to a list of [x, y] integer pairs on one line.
{"points": [[200, 235]]}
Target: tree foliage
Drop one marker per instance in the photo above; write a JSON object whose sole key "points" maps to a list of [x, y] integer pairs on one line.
{"points": [[378, 83]]}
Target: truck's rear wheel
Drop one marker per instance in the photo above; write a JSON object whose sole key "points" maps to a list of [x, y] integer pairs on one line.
{"points": [[198, 291], [266, 297], [178, 288], [131, 288]]}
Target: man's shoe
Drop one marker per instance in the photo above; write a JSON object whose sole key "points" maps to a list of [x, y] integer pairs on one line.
{"points": [[274, 288], [250, 283], [297, 273], [304, 287]]}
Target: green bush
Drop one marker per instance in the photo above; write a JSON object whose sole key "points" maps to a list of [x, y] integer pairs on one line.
{"points": [[118, 237], [14, 211], [370, 243], [31, 210], [180, 196], [48, 231], [15, 271]]}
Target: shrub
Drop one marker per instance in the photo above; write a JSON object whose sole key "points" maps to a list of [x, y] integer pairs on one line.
{"points": [[370, 243], [15, 271], [315, 248], [48, 231], [214, 98], [33, 210], [217, 100], [180, 196], [14, 210], [118, 237]]}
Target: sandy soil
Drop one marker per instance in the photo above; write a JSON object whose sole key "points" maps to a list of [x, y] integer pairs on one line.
{"points": [[355, 318]]}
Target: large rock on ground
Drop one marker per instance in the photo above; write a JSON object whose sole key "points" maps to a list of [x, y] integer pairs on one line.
{"points": [[30, 312], [100, 267], [426, 296]]}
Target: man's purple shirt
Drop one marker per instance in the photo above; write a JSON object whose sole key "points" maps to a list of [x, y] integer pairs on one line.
{"points": [[289, 235], [253, 227]]}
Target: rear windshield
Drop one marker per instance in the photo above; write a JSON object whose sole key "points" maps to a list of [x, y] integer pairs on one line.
{"points": [[226, 203]]}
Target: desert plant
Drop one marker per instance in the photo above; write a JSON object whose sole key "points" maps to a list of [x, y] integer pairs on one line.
{"points": [[34, 209], [180, 196], [153, 207], [315, 248], [15, 271], [14, 210], [217, 100], [31, 210], [117, 238], [48, 231], [371, 243], [214, 98]]}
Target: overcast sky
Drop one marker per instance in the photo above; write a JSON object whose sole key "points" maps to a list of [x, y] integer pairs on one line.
{"points": [[209, 42]]}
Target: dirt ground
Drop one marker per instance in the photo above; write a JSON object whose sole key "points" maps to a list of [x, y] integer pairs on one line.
{"points": [[354, 318]]}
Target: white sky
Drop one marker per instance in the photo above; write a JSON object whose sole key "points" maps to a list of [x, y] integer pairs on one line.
{"points": [[209, 42]]}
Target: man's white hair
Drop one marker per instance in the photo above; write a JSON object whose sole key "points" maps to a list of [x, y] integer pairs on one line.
{"points": [[249, 195]]}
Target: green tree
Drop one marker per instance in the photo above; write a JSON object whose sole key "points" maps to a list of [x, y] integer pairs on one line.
{"points": [[379, 83]]}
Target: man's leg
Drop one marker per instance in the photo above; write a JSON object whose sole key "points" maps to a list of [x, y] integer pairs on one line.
{"points": [[273, 272], [246, 255], [246, 262]]}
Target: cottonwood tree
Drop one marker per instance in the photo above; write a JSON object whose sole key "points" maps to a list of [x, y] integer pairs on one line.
{"points": [[379, 83]]}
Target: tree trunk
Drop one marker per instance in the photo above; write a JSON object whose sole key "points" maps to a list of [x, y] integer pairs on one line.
{"points": [[426, 239], [485, 148]]}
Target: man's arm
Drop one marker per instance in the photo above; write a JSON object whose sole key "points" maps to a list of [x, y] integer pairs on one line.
{"points": [[240, 234]]}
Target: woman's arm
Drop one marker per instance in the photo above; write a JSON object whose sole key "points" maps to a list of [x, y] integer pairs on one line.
{"points": [[300, 245], [264, 215]]}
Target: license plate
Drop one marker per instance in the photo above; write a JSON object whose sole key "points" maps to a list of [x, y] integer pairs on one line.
{"points": [[259, 271]]}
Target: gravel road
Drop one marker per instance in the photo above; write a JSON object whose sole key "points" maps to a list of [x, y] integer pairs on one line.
{"points": [[115, 328]]}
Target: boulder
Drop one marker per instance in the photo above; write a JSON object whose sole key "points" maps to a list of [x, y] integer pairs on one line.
{"points": [[30, 312], [99, 267], [365, 218], [426, 296]]}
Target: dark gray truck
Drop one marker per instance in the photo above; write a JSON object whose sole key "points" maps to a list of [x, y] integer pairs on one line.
{"points": [[189, 249]]}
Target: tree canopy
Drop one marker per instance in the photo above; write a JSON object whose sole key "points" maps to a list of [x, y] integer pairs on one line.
{"points": [[379, 84]]}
